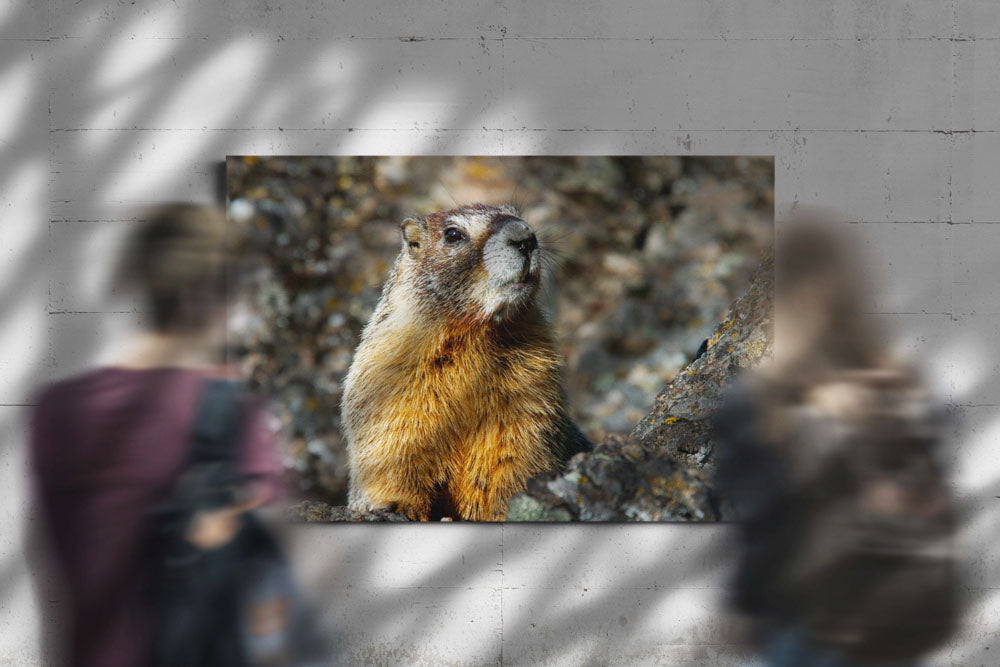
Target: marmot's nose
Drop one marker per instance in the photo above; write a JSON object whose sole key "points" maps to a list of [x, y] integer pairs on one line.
{"points": [[526, 245], [521, 236]]}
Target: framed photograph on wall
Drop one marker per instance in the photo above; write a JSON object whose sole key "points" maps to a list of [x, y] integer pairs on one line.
{"points": [[517, 338]]}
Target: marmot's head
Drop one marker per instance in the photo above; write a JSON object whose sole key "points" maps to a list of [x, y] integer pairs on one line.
{"points": [[474, 260]]}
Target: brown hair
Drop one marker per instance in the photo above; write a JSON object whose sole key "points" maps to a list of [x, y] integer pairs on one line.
{"points": [[816, 258], [181, 260]]}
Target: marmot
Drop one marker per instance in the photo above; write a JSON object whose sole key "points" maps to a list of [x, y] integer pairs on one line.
{"points": [[454, 397]]}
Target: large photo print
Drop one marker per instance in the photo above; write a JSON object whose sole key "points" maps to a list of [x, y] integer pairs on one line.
{"points": [[501, 338]]}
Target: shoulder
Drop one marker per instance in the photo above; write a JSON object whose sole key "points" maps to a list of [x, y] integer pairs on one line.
{"points": [[63, 394], [68, 386]]}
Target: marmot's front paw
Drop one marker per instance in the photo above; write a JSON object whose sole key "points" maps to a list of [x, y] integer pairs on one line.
{"points": [[414, 512]]}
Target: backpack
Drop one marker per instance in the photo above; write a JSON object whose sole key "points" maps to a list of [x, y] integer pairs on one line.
{"points": [[238, 604], [860, 551]]}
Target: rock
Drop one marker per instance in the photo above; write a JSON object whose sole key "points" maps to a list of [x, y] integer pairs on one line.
{"points": [[538, 507], [662, 472], [618, 481], [680, 419], [316, 512]]}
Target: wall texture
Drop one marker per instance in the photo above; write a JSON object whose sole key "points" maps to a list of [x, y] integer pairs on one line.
{"points": [[888, 112]]}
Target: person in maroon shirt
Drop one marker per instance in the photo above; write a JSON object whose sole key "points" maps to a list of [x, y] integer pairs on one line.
{"points": [[109, 445]]}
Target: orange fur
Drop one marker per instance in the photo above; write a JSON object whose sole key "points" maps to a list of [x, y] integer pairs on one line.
{"points": [[469, 410], [453, 399]]}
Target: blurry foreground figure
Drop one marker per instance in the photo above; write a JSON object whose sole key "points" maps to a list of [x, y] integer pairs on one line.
{"points": [[829, 458], [147, 471]]}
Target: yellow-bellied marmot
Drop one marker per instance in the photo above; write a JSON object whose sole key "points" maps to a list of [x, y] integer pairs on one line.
{"points": [[454, 399]]}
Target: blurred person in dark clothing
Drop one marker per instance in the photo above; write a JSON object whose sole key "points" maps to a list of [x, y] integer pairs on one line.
{"points": [[829, 458], [109, 445]]}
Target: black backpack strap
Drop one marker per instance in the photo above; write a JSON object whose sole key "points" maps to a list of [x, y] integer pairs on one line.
{"points": [[216, 425]]}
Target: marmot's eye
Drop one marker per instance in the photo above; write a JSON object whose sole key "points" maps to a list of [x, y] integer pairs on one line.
{"points": [[452, 235]]}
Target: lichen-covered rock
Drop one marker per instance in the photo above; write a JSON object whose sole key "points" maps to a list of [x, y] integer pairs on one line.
{"points": [[538, 505], [680, 419], [662, 473], [316, 512], [618, 481]]}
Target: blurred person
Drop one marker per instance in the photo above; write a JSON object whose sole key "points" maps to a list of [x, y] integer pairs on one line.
{"points": [[114, 452], [829, 458]]}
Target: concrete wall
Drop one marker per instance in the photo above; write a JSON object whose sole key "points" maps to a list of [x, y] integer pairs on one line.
{"points": [[888, 111]]}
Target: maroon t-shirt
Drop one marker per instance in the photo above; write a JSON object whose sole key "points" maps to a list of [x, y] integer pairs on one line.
{"points": [[106, 448]]}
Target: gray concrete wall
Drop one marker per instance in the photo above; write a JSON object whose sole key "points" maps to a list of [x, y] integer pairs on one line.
{"points": [[888, 111]]}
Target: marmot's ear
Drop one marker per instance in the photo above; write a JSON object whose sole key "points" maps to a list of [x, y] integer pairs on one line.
{"points": [[414, 237]]}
